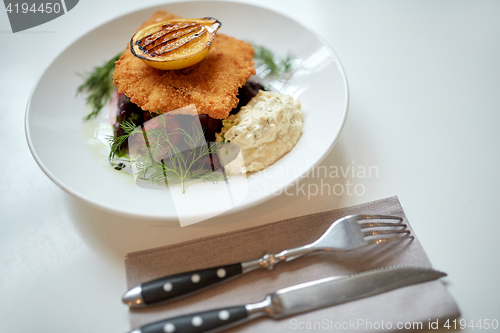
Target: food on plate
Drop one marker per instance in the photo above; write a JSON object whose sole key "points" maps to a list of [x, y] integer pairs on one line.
{"points": [[212, 84], [130, 113], [186, 83], [265, 130], [171, 149], [174, 44]]}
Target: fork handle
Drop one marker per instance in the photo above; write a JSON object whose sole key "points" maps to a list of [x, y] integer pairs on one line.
{"points": [[269, 260], [174, 286]]}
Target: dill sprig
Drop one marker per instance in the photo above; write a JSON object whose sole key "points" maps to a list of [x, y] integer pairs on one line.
{"points": [[277, 67], [98, 84], [116, 143], [161, 160]]}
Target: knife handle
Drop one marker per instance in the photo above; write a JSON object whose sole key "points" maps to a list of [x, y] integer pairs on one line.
{"points": [[213, 321], [178, 285]]}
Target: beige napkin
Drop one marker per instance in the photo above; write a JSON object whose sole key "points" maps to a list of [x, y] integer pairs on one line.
{"points": [[417, 306]]}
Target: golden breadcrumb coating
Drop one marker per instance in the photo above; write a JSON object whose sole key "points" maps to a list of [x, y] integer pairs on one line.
{"points": [[211, 85]]}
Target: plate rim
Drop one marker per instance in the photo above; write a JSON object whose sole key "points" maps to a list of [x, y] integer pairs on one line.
{"points": [[235, 209]]}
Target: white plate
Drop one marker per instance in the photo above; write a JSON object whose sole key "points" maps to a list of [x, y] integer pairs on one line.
{"points": [[57, 140]]}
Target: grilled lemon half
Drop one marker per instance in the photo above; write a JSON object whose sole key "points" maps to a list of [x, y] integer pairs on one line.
{"points": [[175, 44]]}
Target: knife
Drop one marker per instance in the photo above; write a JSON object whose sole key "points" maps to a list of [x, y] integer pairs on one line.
{"points": [[297, 299]]}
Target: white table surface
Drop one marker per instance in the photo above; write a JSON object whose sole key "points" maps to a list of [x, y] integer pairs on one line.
{"points": [[424, 79]]}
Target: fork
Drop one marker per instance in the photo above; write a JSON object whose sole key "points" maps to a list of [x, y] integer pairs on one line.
{"points": [[348, 233]]}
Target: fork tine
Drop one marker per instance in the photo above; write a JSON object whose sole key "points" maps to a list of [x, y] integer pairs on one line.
{"points": [[389, 239], [365, 225], [385, 232], [377, 217]]}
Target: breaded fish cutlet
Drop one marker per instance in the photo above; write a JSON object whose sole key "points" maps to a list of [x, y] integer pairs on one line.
{"points": [[211, 85]]}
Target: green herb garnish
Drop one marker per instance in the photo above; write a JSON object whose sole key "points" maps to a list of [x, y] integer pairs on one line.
{"points": [[277, 67], [98, 84], [161, 158], [116, 143]]}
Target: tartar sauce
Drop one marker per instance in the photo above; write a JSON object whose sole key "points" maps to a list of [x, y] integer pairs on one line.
{"points": [[265, 130]]}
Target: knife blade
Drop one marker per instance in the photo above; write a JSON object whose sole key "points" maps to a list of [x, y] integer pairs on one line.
{"points": [[298, 299]]}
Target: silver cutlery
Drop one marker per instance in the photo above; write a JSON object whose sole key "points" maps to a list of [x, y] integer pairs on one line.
{"points": [[348, 233], [297, 299]]}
